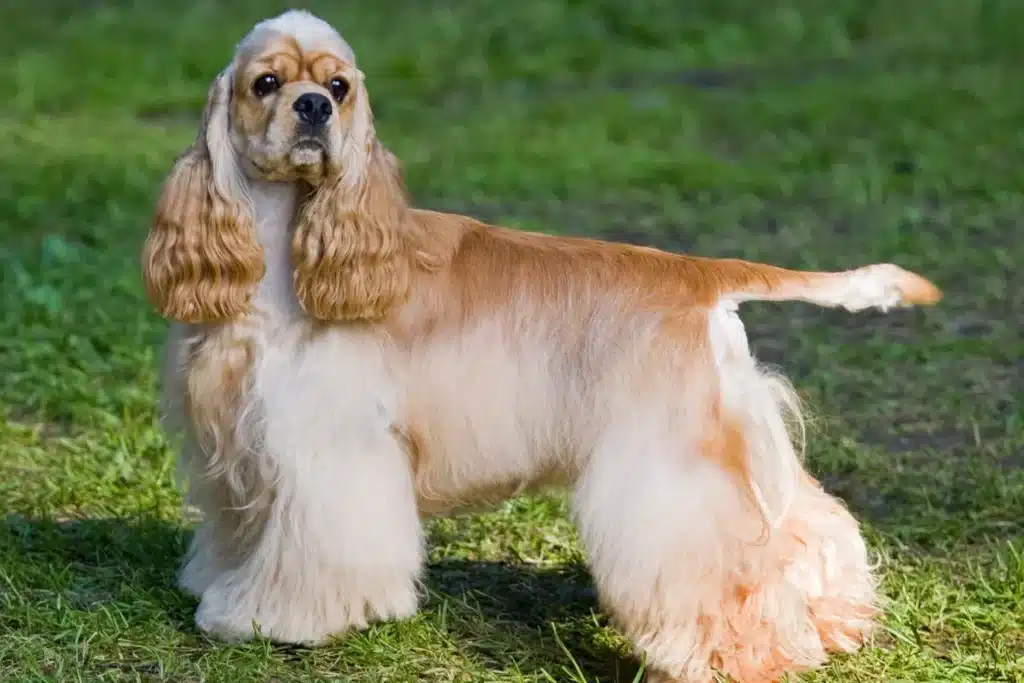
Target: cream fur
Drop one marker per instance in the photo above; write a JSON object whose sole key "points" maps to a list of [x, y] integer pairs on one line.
{"points": [[314, 448]]}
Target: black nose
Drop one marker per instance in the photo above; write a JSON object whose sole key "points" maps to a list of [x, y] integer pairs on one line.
{"points": [[313, 108]]}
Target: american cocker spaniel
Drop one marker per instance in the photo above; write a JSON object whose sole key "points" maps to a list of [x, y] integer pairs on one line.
{"points": [[341, 366]]}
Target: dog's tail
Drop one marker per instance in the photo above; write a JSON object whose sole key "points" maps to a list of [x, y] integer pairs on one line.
{"points": [[881, 285]]}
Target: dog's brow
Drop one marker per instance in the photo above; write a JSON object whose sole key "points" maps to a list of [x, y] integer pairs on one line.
{"points": [[319, 60], [277, 60], [317, 57]]}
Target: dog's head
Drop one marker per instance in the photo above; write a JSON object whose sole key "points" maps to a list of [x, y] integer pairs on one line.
{"points": [[290, 107], [297, 101]]}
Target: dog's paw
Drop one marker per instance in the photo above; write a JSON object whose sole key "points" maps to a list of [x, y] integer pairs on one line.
{"points": [[307, 617], [224, 625], [236, 626]]}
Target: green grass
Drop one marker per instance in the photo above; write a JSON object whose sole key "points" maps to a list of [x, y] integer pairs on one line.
{"points": [[801, 132]]}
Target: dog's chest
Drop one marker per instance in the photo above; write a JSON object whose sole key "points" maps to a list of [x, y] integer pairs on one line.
{"points": [[303, 378]]}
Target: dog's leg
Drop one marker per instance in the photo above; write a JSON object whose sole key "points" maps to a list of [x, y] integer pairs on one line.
{"points": [[710, 546], [216, 540], [340, 543], [680, 567], [204, 561], [341, 547]]}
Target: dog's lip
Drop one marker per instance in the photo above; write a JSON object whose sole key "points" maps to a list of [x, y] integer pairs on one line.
{"points": [[310, 143]]}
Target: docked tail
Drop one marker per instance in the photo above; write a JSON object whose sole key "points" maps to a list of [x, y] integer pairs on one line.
{"points": [[882, 286]]}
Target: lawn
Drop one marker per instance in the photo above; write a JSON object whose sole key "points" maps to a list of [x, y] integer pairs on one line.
{"points": [[803, 132]]}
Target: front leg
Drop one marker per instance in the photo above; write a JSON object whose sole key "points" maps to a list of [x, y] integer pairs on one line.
{"points": [[340, 543]]}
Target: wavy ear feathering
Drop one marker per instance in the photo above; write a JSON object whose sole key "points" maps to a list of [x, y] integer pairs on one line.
{"points": [[351, 249], [201, 261]]}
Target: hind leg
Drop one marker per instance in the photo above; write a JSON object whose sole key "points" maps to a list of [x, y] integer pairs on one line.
{"points": [[682, 566]]}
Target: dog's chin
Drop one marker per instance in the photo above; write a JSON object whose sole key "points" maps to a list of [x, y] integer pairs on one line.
{"points": [[307, 153], [309, 159]]}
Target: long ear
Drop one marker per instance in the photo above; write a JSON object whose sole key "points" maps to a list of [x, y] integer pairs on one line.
{"points": [[201, 261], [351, 253]]}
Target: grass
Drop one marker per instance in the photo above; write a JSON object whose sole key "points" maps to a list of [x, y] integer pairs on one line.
{"points": [[809, 134]]}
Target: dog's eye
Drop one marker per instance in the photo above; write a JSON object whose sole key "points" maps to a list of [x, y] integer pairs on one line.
{"points": [[339, 88], [265, 84]]}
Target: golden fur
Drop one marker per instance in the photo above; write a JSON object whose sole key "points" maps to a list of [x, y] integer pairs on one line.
{"points": [[201, 261], [342, 364], [352, 259]]}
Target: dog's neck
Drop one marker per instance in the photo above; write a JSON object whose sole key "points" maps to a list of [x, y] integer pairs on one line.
{"points": [[274, 207]]}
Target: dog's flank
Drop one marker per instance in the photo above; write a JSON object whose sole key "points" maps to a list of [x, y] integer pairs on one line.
{"points": [[344, 364]]}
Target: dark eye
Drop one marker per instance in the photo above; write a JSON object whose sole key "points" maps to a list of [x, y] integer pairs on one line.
{"points": [[265, 84], [339, 88]]}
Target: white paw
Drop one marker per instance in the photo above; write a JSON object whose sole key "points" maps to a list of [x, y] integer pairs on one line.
{"points": [[339, 607], [220, 623], [233, 623]]}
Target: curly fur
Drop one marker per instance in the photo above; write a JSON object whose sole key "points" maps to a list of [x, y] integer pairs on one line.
{"points": [[350, 250], [201, 261]]}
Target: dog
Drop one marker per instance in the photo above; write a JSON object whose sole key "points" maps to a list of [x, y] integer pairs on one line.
{"points": [[341, 366]]}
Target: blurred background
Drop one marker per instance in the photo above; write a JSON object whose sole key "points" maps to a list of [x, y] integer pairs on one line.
{"points": [[808, 133]]}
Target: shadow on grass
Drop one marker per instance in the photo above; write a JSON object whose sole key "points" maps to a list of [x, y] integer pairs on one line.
{"points": [[551, 613], [501, 614], [92, 562]]}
